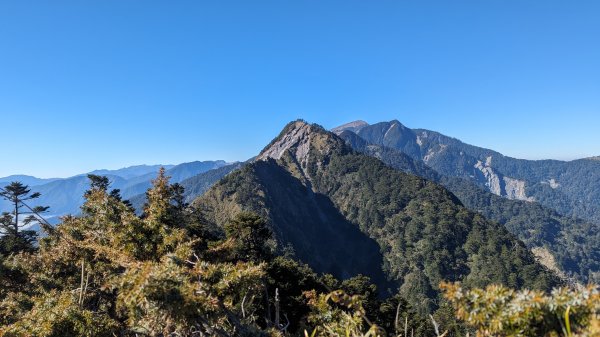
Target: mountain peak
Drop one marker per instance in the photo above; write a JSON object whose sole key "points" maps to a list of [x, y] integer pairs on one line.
{"points": [[296, 136], [352, 126], [301, 144]]}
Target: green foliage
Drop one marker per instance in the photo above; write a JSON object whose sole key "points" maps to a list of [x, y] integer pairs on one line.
{"points": [[577, 195], [425, 233], [57, 314], [252, 238], [14, 242], [573, 244], [212, 269], [291, 278], [499, 311], [338, 314], [110, 272], [12, 238], [299, 218], [169, 296]]}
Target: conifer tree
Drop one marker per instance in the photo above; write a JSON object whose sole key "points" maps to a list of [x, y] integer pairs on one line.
{"points": [[165, 203], [13, 238], [252, 238]]}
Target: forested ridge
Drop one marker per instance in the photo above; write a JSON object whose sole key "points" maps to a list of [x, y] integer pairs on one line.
{"points": [[573, 244]]}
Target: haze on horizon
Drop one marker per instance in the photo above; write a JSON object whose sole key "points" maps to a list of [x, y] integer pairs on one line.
{"points": [[110, 84]]}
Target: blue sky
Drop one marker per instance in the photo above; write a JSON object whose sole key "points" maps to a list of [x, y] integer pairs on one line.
{"points": [[107, 84]]}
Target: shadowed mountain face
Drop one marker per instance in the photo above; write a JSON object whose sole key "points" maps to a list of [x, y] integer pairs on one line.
{"points": [[332, 204], [571, 188], [567, 244]]}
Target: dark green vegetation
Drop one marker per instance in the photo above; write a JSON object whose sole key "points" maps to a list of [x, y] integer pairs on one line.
{"points": [[316, 193], [570, 188], [573, 244], [569, 244]]}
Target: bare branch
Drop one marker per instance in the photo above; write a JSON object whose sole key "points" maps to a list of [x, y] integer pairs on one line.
{"points": [[243, 301], [82, 280]]}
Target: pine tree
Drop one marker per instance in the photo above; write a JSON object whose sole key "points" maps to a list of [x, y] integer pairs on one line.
{"points": [[14, 239], [252, 238]]}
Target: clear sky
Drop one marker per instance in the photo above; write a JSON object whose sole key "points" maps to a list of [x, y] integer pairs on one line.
{"points": [[106, 84]]}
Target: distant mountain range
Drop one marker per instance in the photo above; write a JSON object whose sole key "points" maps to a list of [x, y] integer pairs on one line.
{"points": [[571, 188], [65, 195], [27, 180]]}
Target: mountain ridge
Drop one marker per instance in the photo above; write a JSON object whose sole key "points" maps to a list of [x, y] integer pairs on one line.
{"points": [[571, 188], [65, 195], [423, 232], [573, 244]]}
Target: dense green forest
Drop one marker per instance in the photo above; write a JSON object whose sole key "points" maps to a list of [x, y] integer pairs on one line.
{"points": [[573, 244]]}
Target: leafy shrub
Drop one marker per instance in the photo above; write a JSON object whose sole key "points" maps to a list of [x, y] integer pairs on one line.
{"points": [[499, 311]]}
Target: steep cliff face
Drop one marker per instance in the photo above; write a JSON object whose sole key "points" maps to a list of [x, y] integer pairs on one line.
{"points": [[511, 188]]}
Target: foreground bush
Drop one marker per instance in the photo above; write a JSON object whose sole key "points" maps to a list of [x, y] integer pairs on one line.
{"points": [[499, 311]]}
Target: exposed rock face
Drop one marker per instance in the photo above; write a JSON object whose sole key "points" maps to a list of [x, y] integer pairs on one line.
{"points": [[552, 182], [300, 145], [434, 152], [346, 213], [492, 179], [297, 140], [515, 189], [498, 184], [575, 190], [546, 258]]}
